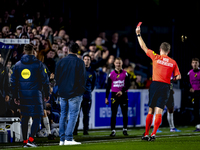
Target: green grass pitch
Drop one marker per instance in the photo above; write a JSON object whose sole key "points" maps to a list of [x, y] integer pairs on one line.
{"points": [[100, 140]]}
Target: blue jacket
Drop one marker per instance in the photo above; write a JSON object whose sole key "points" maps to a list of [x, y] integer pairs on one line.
{"points": [[70, 76], [90, 83], [101, 79], [28, 80]]}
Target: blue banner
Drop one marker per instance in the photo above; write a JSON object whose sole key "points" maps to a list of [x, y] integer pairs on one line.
{"points": [[5, 46], [103, 111]]}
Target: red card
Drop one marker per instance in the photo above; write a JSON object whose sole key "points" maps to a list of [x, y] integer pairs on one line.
{"points": [[139, 24]]}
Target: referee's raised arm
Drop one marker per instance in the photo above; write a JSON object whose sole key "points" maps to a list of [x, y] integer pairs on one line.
{"points": [[140, 40]]}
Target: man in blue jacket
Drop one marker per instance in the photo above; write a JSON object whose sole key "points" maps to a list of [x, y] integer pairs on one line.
{"points": [[87, 96], [28, 80], [70, 77]]}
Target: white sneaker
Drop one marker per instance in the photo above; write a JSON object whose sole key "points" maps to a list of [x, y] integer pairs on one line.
{"points": [[71, 142], [198, 126], [54, 125], [61, 143]]}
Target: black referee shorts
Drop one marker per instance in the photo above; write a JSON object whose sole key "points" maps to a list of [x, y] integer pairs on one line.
{"points": [[170, 102], [158, 94]]}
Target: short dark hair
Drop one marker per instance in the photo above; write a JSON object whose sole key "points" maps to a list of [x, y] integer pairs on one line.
{"points": [[165, 46], [28, 47], [73, 47], [55, 43], [195, 59], [51, 50]]}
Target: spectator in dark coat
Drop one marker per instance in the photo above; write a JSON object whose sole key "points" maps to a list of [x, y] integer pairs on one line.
{"points": [[101, 79], [113, 46]]}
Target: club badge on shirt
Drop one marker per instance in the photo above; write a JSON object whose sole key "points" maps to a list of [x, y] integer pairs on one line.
{"points": [[26, 73]]}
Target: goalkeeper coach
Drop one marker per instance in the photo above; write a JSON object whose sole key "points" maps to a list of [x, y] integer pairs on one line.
{"points": [[28, 80]]}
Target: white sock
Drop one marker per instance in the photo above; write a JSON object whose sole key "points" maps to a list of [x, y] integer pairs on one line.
{"points": [[124, 129], [46, 124], [170, 118], [30, 122]]}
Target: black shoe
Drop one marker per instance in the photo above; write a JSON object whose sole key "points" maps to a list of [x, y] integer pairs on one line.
{"points": [[113, 133], [145, 138], [125, 133], [152, 138], [197, 130], [85, 133], [31, 144], [51, 137]]}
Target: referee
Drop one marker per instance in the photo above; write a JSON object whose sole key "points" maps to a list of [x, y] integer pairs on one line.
{"points": [[163, 67]]}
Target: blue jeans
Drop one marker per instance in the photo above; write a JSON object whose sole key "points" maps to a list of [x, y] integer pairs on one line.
{"points": [[69, 113]]}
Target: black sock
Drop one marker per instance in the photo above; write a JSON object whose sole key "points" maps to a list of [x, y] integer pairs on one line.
{"points": [[35, 125]]}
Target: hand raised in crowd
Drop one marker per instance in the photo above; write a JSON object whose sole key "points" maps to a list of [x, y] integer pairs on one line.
{"points": [[105, 54], [17, 101], [14, 54], [46, 34], [106, 101], [7, 98], [56, 33], [46, 99], [97, 54], [24, 29]]}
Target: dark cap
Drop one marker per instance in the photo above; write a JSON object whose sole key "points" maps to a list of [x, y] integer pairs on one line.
{"points": [[92, 44]]}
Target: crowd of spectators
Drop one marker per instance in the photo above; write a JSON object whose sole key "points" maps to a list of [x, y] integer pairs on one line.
{"points": [[51, 44]]}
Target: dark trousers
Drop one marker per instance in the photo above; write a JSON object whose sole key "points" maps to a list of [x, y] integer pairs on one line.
{"points": [[3, 106], [85, 107], [115, 102], [34, 127], [197, 107]]}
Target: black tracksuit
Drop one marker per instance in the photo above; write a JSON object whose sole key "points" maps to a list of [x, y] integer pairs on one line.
{"points": [[87, 99]]}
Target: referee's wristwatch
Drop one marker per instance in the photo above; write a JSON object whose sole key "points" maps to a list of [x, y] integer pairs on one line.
{"points": [[138, 35]]}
